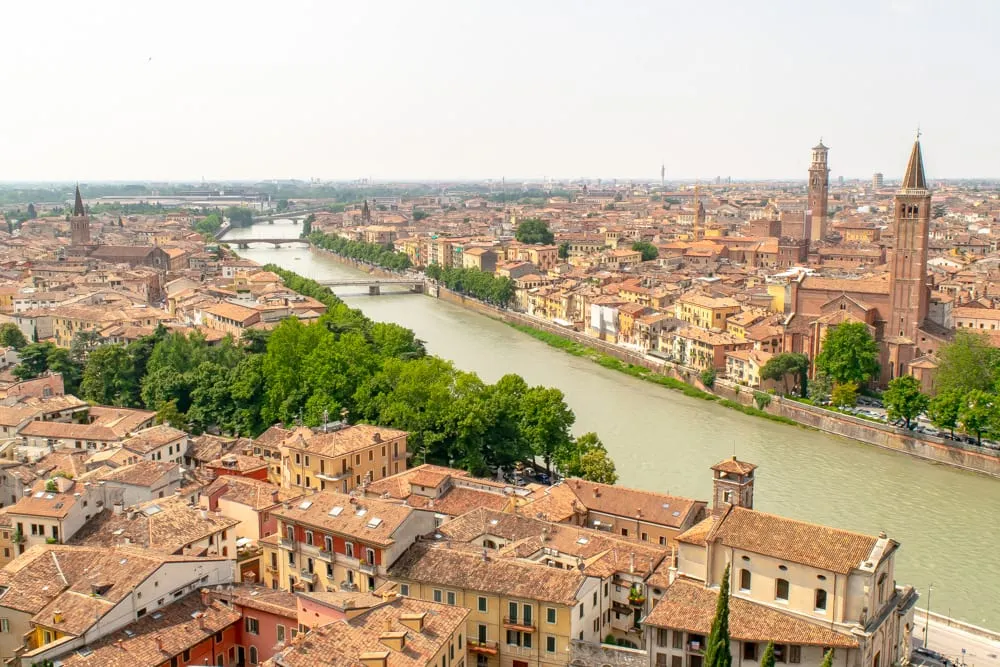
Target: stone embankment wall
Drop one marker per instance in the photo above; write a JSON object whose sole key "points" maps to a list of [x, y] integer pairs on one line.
{"points": [[969, 457], [355, 264]]}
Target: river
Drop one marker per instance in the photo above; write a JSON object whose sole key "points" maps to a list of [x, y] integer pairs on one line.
{"points": [[944, 518]]}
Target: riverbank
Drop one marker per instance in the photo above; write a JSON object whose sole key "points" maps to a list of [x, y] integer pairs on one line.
{"points": [[733, 396]]}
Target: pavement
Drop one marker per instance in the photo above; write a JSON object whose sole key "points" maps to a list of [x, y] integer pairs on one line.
{"points": [[950, 642]]}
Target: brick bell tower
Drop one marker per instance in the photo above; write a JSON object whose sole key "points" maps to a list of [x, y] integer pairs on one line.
{"points": [[819, 192], [79, 223], [908, 272], [732, 484]]}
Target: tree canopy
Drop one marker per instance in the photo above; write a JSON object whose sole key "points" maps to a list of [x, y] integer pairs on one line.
{"points": [[850, 354], [717, 651], [372, 253], [648, 250], [966, 363], [534, 231], [495, 290], [11, 336], [904, 400], [780, 366]]}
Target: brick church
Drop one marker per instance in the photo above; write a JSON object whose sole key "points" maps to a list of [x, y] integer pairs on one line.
{"points": [[894, 306]]}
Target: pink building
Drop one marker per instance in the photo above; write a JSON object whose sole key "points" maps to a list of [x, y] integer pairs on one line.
{"points": [[321, 608], [268, 619]]}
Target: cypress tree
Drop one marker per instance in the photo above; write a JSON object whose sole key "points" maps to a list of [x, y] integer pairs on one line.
{"points": [[717, 650], [768, 659], [828, 659]]}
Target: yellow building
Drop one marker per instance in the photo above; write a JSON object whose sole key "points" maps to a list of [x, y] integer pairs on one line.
{"points": [[343, 459], [705, 311], [521, 613]]}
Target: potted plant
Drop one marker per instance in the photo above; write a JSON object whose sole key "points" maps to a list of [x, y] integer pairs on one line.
{"points": [[635, 596]]}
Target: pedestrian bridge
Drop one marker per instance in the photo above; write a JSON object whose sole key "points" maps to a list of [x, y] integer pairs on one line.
{"points": [[375, 285]]}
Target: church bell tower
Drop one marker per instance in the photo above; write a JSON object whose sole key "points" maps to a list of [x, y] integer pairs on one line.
{"points": [[908, 294], [819, 192], [79, 223]]}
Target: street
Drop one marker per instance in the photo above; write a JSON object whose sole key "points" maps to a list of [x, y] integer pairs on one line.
{"points": [[979, 651]]}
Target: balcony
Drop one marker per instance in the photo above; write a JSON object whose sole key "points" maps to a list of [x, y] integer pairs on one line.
{"points": [[521, 625], [695, 647], [286, 543], [335, 477], [306, 575], [348, 586], [273, 570], [325, 555], [518, 651], [486, 647], [368, 568]]}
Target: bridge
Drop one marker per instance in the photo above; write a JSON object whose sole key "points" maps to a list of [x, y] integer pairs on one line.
{"points": [[245, 243], [374, 285], [290, 215]]}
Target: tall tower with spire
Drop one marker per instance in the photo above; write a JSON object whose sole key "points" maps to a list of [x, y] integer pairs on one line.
{"points": [[819, 192], [698, 231], [79, 223], [908, 293]]}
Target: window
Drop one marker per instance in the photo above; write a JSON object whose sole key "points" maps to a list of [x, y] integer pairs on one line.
{"points": [[581, 611], [526, 612], [750, 651], [663, 541], [309, 537], [370, 556], [307, 459], [820, 599], [460, 642], [404, 590], [349, 549], [437, 595], [4, 625], [298, 458], [550, 644], [795, 654], [252, 625], [482, 604], [328, 543], [482, 633], [781, 590], [281, 633], [644, 537], [174, 662], [550, 615], [662, 637], [595, 599], [526, 639], [451, 598], [676, 661], [253, 655], [371, 454], [187, 655], [745, 580], [512, 612], [624, 532], [678, 639], [780, 653]]}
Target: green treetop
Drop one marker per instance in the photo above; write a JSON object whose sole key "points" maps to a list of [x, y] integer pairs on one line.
{"points": [[850, 354], [533, 230], [768, 659], [648, 250], [903, 399]]}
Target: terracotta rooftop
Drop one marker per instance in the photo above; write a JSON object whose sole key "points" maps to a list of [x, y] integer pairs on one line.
{"points": [[152, 438], [658, 508], [343, 441], [734, 466], [689, 606], [365, 519], [347, 643]]}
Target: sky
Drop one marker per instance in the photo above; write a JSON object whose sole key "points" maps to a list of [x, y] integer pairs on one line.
{"points": [[465, 89]]}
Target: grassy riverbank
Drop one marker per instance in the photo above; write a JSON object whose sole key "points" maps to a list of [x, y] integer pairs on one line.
{"points": [[580, 350]]}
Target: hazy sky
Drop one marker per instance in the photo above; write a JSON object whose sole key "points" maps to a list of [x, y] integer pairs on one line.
{"points": [[470, 89]]}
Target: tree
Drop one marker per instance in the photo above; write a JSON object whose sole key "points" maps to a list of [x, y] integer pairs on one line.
{"points": [[563, 251], [307, 225], [420, 215], [83, 342], [850, 354], [845, 395], [59, 360], [11, 336], [597, 466], [32, 213], [534, 231], [903, 399], [768, 658], [978, 413], [820, 388], [780, 366], [208, 225], [717, 652], [170, 415], [827, 658], [707, 377], [545, 423], [968, 362], [648, 250], [944, 408], [110, 377], [34, 360]]}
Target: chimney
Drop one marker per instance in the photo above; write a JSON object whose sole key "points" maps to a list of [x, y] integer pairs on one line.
{"points": [[203, 513], [597, 492], [638, 512], [159, 644], [377, 437], [486, 555], [274, 496], [394, 640], [120, 644], [631, 562], [57, 617], [117, 508], [414, 622]]}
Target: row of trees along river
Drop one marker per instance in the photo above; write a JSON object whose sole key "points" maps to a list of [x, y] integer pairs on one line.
{"points": [[664, 441]]}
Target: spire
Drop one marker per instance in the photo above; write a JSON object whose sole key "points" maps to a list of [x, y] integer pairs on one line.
{"points": [[914, 178], [78, 210]]}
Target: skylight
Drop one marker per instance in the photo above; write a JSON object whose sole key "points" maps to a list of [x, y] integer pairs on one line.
{"points": [[375, 522], [335, 511], [305, 504], [361, 512], [582, 540]]}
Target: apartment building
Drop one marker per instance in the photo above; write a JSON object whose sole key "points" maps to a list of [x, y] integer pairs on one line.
{"points": [[706, 312], [519, 613], [341, 459], [57, 598], [336, 542]]}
